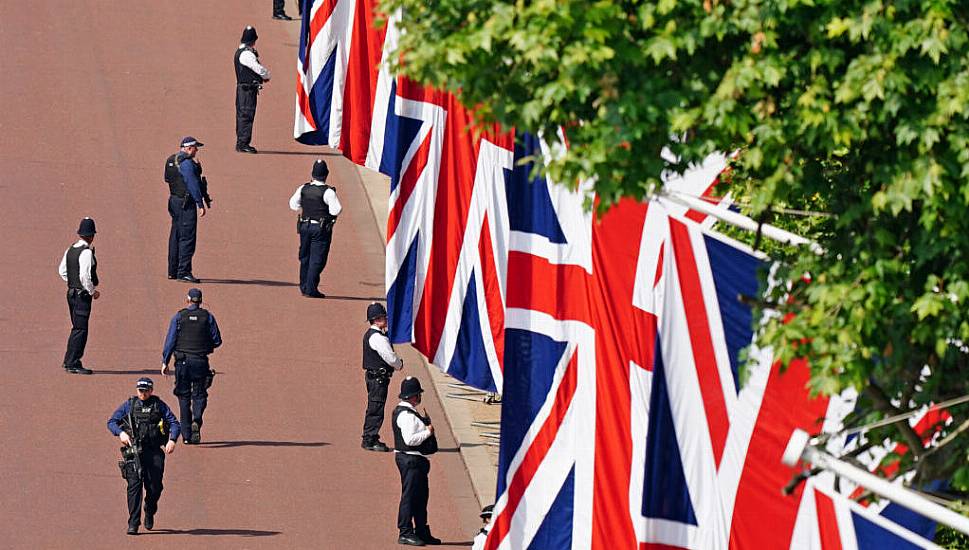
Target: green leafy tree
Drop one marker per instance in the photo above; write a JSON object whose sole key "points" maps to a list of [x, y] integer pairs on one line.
{"points": [[855, 108]]}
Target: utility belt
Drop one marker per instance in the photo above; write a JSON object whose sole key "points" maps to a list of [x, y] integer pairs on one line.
{"points": [[209, 376], [249, 86], [380, 373], [75, 291], [320, 221]]}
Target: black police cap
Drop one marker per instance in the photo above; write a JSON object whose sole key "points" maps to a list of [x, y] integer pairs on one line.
{"points": [[410, 387]]}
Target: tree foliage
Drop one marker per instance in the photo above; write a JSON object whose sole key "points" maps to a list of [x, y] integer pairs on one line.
{"points": [[857, 108]]}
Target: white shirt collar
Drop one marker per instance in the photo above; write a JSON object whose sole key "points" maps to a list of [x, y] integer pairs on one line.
{"points": [[406, 404], [80, 243], [382, 331]]}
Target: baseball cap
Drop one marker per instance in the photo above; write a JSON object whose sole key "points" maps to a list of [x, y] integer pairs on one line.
{"points": [[144, 383], [189, 141]]}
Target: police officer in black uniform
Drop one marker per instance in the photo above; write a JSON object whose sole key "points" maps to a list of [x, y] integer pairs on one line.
{"points": [[187, 201], [192, 335], [379, 363], [317, 208], [250, 76], [414, 441], [148, 430], [79, 268]]}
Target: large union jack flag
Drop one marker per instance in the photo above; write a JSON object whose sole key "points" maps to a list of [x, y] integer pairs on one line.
{"points": [[615, 342]]}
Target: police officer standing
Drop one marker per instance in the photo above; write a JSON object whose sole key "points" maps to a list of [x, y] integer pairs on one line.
{"points": [[79, 268], [192, 335], [317, 208], [145, 425], [379, 363], [187, 202], [250, 76], [414, 441]]}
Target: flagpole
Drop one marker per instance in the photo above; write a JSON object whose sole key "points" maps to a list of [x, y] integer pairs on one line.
{"points": [[739, 220], [799, 448]]}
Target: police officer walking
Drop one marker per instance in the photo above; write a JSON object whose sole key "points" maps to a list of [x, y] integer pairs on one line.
{"points": [[148, 430], [187, 202], [79, 268], [250, 76], [379, 363], [192, 335], [414, 441], [317, 208]]}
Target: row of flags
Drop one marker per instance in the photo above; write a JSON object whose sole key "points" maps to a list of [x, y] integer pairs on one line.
{"points": [[615, 342]]}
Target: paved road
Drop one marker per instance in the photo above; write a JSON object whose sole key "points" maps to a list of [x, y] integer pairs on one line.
{"points": [[95, 96]]}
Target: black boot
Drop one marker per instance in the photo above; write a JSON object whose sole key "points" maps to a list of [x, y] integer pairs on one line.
{"points": [[424, 533], [410, 540]]}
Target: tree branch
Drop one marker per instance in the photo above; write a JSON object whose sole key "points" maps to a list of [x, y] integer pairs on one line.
{"points": [[884, 404]]}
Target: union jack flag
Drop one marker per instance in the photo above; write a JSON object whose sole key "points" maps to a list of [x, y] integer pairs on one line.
{"points": [[614, 341]]}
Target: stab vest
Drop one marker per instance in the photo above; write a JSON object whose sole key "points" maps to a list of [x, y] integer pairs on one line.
{"points": [[245, 75], [74, 266], [193, 336], [427, 447], [371, 359], [311, 201], [176, 183], [149, 428]]}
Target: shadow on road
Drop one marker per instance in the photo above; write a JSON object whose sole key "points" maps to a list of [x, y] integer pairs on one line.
{"points": [[314, 153], [224, 444], [260, 282], [131, 372], [360, 298], [461, 543], [217, 532]]}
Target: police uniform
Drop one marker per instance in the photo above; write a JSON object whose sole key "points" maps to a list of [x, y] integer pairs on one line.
{"points": [[413, 443], [193, 334], [79, 268], [150, 424], [319, 207], [379, 363], [250, 75], [188, 193], [279, 10]]}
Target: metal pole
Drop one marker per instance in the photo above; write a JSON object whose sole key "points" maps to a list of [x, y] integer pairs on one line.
{"points": [[799, 449]]}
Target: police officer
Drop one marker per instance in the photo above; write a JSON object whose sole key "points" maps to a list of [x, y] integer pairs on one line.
{"points": [[250, 76], [379, 363], [317, 208], [414, 441], [187, 201], [192, 335], [79, 268], [146, 425]]}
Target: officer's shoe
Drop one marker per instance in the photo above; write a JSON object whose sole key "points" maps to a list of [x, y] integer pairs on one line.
{"points": [[189, 279], [282, 16], [150, 522], [424, 533], [376, 446], [196, 434], [80, 370], [410, 540], [132, 529], [315, 294], [246, 149]]}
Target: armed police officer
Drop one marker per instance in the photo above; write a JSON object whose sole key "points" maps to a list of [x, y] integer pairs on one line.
{"points": [[379, 363], [414, 441], [317, 208], [250, 76], [148, 430], [187, 201], [192, 335], [79, 268]]}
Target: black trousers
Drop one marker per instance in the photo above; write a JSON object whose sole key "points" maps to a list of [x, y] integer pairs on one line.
{"points": [[412, 513], [376, 399], [245, 113], [279, 7], [79, 306], [181, 239], [191, 372], [152, 471], [314, 250]]}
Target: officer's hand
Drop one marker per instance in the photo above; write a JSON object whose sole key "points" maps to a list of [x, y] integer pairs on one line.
{"points": [[125, 438], [202, 212], [164, 369], [170, 447], [96, 294], [430, 428]]}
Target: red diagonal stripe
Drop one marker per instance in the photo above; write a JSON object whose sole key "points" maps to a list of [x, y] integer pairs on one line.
{"points": [[541, 285], [408, 181], [492, 291], [827, 522], [536, 453], [700, 339]]}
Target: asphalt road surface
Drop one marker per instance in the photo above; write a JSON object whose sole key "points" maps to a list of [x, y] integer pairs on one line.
{"points": [[95, 96]]}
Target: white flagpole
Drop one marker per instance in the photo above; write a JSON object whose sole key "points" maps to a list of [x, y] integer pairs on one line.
{"points": [[799, 448]]}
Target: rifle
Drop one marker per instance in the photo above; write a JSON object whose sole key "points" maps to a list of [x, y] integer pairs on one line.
{"points": [[130, 463]]}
